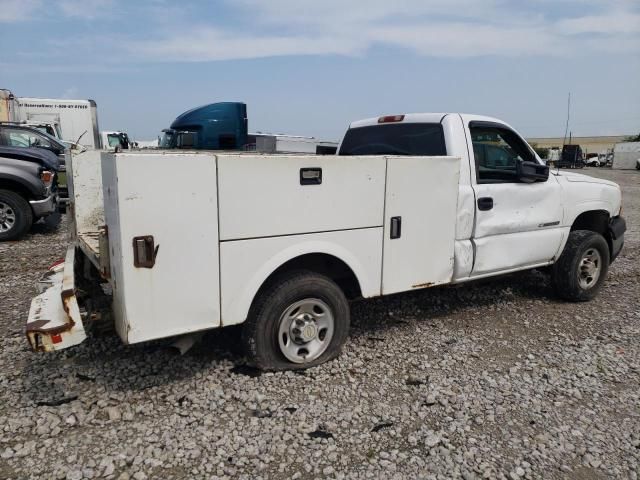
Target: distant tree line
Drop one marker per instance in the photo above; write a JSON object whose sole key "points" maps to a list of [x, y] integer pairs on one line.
{"points": [[542, 152], [633, 138]]}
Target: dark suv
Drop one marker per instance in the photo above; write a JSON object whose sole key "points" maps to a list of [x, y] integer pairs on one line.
{"points": [[23, 136], [28, 189]]}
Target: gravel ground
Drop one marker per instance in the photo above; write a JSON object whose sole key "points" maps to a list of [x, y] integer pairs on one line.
{"points": [[496, 379]]}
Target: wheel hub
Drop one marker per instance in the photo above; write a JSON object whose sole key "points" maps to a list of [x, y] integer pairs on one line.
{"points": [[304, 328], [589, 270], [7, 217]]}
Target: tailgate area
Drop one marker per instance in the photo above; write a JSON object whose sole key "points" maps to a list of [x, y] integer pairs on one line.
{"points": [[54, 320]]}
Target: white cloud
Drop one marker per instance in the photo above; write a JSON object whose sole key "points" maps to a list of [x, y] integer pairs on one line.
{"points": [[18, 10], [614, 22], [86, 9], [442, 28], [258, 28], [209, 44]]}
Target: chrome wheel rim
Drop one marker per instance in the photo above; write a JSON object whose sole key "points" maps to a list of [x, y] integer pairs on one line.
{"points": [[305, 330], [7, 217], [589, 269]]}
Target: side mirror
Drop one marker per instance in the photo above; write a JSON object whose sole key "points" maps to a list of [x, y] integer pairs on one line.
{"points": [[530, 172]]}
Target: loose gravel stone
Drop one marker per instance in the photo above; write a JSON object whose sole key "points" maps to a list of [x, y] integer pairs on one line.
{"points": [[495, 379]]}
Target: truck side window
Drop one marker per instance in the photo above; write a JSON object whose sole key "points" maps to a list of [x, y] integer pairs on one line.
{"points": [[496, 151]]}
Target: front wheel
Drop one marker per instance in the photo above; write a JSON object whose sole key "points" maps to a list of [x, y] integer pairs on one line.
{"points": [[15, 215], [580, 271], [300, 321]]}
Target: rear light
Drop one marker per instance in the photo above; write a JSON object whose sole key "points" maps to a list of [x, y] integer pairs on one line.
{"points": [[47, 177], [391, 118], [58, 262]]}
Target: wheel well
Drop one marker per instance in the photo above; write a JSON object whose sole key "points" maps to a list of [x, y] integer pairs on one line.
{"points": [[324, 264], [594, 221], [14, 187]]}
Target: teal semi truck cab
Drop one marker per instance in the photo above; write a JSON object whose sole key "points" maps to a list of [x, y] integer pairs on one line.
{"points": [[216, 126]]}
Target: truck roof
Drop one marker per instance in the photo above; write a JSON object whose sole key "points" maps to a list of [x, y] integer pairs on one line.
{"points": [[55, 100], [420, 118]]}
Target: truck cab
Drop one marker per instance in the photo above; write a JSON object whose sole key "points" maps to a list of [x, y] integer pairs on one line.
{"points": [[216, 126], [507, 219], [115, 139]]}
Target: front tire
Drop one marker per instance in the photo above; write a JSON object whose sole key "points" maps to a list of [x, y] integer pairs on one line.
{"points": [[16, 216], [580, 271], [301, 320]]}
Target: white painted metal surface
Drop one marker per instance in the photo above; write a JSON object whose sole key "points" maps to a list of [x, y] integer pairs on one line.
{"points": [[261, 196], [423, 192], [582, 193], [523, 227], [86, 200], [174, 199], [246, 264]]}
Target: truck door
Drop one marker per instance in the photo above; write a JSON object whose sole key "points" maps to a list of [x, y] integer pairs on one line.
{"points": [[517, 224]]}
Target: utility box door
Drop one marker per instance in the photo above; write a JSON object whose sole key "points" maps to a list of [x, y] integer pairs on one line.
{"points": [[420, 211], [273, 195], [170, 200]]}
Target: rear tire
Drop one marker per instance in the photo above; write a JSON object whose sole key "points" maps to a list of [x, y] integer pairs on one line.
{"points": [[301, 320], [580, 271], [16, 216]]}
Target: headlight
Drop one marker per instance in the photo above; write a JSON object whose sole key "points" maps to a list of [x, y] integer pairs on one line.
{"points": [[47, 177]]}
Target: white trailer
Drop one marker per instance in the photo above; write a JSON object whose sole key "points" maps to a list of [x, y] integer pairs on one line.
{"points": [[188, 241], [279, 143], [626, 155], [76, 118]]}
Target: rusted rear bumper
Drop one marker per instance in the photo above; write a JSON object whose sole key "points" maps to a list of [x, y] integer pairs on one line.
{"points": [[54, 321]]}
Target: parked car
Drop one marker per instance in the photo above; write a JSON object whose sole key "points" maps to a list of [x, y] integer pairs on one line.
{"points": [[412, 201], [19, 135], [593, 160], [28, 189]]}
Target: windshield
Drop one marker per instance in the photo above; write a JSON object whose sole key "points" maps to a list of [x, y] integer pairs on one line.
{"points": [[395, 139], [46, 129], [168, 139], [114, 140]]}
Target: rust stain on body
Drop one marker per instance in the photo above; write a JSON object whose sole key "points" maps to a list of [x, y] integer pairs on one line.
{"points": [[423, 285]]}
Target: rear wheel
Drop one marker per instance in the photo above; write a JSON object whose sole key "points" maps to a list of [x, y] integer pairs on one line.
{"points": [[300, 321], [15, 215], [582, 268]]}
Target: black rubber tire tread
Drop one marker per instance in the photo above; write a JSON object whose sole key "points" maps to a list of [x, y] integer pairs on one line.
{"points": [[259, 333], [564, 272], [24, 215]]}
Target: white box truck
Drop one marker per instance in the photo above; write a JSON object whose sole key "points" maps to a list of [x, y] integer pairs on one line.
{"points": [[626, 155], [77, 119], [281, 243]]}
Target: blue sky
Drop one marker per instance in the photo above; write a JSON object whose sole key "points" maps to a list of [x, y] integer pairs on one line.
{"points": [[310, 67]]}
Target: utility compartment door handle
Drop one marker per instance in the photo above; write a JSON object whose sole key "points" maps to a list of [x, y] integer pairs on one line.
{"points": [[485, 203], [310, 176], [396, 227]]}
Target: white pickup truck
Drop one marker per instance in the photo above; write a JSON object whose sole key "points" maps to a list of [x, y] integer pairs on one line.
{"points": [[281, 243]]}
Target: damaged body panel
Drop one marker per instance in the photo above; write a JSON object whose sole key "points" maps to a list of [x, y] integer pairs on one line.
{"points": [[54, 321]]}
